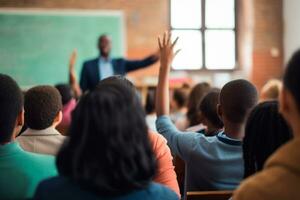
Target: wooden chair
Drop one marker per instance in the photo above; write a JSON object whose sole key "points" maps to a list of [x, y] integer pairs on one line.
{"points": [[209, 195]]}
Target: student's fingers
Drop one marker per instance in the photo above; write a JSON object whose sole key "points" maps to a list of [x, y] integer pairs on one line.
{"points": [[159, 42], [164, 39], [169, 37], [174, 43], [177, 52]]}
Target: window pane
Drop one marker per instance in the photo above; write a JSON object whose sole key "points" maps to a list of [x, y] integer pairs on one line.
{"points": [[220, 49], [190, 56], [186, 13], [220, 14]]}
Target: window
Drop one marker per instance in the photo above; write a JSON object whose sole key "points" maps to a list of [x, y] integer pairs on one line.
{"points": [[207, 33]]}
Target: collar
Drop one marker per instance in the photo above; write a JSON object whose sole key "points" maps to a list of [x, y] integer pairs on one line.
{"points": [[10, 148], [102, 59], [50, 131], [227, 140]]}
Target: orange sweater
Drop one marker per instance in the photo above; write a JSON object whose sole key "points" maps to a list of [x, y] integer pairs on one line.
{"points": [[165, 172]]}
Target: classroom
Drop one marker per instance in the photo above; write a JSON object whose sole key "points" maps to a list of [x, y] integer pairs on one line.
{"points": [[150, 99]]}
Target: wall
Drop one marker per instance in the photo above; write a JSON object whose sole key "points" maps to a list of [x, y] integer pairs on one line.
{"points": [[267, 41], [260, 33], [291, 17], [144, 20]]}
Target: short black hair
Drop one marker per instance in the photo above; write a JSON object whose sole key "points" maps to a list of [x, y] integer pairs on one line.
{"points": [[11, 104], [237, 99], [108, 152], [291, 78], [180, 97], [150, 101], [194, 99], [266, 130], [208, 107], [42, 104], [66, 92]]}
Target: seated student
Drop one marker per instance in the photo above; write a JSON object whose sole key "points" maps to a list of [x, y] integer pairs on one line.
{"points": [[265, 132], [194, 99], [271, 90], [211, 125], [150, 109], [165, 170], [42, 114], [213, 163], [20, 171], [108, 154], [69, 104], [280, 178], [179, 109], [209, 115]]}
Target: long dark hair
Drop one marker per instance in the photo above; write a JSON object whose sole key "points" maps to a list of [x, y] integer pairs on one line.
{"points": [[266, 130], [108, 151]]}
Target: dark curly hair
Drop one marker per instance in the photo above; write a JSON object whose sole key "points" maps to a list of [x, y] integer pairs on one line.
{"points": [[266, 130], [42, 104], [11, 104], [108, 151]]}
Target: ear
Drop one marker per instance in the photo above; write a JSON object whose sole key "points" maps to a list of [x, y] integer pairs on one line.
{"points": [[19, 123], [58, 119], [20, 119]]}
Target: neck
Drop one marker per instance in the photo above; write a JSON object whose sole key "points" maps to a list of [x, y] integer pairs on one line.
{"points": [[296, 128], [105, 56], [234, 131]]}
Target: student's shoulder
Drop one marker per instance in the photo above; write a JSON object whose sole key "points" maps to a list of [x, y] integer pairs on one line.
{"points": [[161, 192], [39, 159]]}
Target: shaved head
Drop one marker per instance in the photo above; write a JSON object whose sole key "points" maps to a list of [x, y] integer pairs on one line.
{"points": [[237, 98]]}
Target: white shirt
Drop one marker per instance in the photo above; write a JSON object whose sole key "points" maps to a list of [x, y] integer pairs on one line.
{"points": [[46, 141]]}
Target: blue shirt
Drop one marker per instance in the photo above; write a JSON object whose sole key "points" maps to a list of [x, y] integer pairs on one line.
{"points": [[63, 188], [105, 68], [212, 163]]}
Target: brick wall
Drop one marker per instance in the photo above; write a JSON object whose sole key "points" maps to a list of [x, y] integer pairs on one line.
{"points": [[145, 19], [267, 41]]}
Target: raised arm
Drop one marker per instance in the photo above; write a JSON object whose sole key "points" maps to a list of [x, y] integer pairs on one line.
{"points": [[131, 65], [166, 57], [72, 75]]}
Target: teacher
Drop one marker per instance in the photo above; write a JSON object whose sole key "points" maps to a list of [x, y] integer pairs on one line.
{"points": [[103, 66]]}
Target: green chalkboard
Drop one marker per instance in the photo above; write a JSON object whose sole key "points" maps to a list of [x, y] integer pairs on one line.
{"points": [[35, 45]]}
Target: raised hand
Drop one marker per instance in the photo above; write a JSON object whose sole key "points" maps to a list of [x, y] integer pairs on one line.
{"points": [[72, 74], [167, 55], [166, 48]]}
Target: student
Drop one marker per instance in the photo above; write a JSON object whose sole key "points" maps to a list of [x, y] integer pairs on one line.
{"points": [[179, 109], [20, 171], [108, 154], [212, 163], [165, 170], [194, 99], [42, 114], [150, 109], [280, 178], [265, 132], [209, 113], [271, 90], [69, 104]]}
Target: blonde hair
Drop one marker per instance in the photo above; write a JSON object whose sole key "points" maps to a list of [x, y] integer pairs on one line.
{"points": [[271, 90]]}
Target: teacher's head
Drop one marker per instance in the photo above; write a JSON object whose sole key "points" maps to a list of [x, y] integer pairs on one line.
{"points": [[104, 45]]}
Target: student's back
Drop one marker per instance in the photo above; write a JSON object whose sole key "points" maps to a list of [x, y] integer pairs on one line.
{"points": [[42, 114], [20, 171], [213, 163]]}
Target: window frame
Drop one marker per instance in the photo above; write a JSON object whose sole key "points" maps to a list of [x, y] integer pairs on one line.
{"points": [[203, 29]]}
